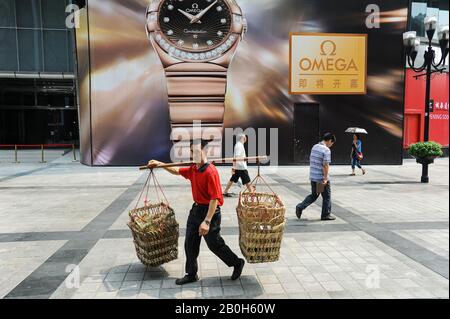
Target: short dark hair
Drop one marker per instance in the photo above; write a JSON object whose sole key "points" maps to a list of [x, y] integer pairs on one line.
{"points": [[201, 142], [329, 137]]}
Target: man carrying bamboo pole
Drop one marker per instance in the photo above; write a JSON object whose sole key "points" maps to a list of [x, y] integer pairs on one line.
{"points": [[205, 216]]}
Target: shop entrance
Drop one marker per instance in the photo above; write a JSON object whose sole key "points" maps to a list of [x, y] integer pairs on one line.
{"points": [[306, 130]]}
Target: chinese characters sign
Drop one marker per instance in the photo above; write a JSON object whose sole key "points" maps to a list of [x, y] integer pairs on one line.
{"points": [[322, 63]]}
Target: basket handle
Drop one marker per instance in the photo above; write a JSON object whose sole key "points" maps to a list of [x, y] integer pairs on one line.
{"points": [[260, 178], [158, 189]]}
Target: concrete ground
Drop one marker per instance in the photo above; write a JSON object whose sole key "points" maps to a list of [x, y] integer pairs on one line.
{"points": [[63, 234]]}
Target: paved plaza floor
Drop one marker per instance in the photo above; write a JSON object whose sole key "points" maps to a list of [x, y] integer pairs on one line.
{"points": [[63, 234]]}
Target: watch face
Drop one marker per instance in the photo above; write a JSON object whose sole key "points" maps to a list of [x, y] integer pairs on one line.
{"points": [[195, 25]]}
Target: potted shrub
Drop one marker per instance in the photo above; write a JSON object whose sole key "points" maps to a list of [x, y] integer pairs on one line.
{"points": [[426, 152]]}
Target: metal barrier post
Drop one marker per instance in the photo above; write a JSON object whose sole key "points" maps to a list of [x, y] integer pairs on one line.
{"points": [[74, 153], [42, 155], [15, 154]]}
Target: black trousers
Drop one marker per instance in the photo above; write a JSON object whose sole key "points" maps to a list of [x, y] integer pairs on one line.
{"points": [[326, 195], [214, 240]]}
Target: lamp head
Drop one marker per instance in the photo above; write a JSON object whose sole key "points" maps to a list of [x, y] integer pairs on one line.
{"points": [[430, 26], [409, 39]]}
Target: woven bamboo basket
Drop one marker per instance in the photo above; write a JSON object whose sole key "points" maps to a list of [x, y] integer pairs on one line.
{"points": [[155, 234], [154, 227], [261, 226]]}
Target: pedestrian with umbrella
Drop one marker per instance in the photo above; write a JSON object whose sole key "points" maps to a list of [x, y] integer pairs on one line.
{"points": [[356, 153]]}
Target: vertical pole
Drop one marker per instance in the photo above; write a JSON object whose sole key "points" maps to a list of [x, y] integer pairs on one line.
{"points": [[42, 154], [426, 133], [15, 154], [74, 154]]}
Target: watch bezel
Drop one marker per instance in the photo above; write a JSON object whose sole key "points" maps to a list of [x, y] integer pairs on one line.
{"points": [[154, 31]]}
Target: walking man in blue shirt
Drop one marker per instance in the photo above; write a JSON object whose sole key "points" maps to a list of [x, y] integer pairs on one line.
{"points": [[320, 161]]}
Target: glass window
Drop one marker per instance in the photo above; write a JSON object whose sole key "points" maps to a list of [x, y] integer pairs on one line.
{"points": [[28, 13], [8, 50], [418, 14], [30, 50], [7, 12], [55, 51], [54, 14]]}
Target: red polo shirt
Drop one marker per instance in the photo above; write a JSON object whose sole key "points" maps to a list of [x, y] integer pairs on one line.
{"points": [[205, 183]]}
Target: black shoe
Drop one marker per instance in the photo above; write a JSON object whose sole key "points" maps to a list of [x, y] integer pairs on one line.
{"points": [[329, 217], [186, 280], [298, 212], [238, 270]]}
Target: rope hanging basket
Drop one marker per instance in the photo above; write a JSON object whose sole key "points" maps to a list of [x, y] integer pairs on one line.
{"points": [[154, 228], [261, 225]]}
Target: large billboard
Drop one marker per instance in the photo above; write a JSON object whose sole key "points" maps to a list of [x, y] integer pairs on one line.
{"points": [[124, 99]]}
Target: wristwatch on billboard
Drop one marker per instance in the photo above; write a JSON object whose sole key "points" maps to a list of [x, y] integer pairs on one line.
{"points": [[196, 41]]}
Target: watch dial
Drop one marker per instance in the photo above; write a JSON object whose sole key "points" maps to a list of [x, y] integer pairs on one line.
{"points": [[195, 25]]}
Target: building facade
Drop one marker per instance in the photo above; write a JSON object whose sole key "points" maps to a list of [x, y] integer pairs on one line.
{"points": [[415, 86], [37, 82]]}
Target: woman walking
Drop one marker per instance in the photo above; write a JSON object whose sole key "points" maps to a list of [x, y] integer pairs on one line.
{"points": [[357, 155]]}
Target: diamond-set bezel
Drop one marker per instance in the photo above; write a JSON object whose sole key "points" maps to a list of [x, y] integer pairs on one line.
{"points": [[180, 54]]}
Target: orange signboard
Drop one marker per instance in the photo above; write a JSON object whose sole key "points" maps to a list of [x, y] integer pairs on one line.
{"points": [[328, 63]]}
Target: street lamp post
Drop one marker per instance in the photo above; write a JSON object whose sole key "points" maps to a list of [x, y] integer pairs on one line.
{"points": [[412, 45]]}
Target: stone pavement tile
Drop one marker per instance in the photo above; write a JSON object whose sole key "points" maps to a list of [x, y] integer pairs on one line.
{"points": [[131, 285], [441, 293], [89, 287], [312, 287], [273, 289], [148, 294], [210, 282], [212, 292], [381, 293], [340, 295], [264, 271], [106, 295], [111, 277], [286, 278], [406, 283], [421, 293], [253, 290], [191, 293], [137, 268], [226, 281], [94, 279], [127, 294], [86, 295], [151, 284], [231, 291], [249, 280], [319, 295], [332, 286], [350, 285], [299, 295], [341, 276], [134, 276], [110, 286], [268, 279], [293, 287], [305, 278], [170, 293], [323, 277], [120, 269]]}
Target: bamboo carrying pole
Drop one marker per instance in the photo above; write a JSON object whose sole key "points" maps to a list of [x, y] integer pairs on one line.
{"points": [[258, 159]]}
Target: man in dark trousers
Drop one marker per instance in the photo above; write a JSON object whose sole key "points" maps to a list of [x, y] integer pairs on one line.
{"points": [[205, 216], [320, 160]]}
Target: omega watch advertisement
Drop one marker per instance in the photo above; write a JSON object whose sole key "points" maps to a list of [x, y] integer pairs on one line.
{"points": [[154, 74]]}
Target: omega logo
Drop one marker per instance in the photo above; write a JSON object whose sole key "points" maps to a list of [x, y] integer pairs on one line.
{"points": [[195, 9], [328, 62]]}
